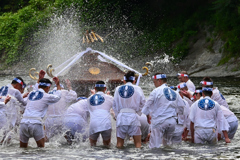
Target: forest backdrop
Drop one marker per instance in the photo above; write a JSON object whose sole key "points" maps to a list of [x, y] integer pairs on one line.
{"points": [[158, 25]]}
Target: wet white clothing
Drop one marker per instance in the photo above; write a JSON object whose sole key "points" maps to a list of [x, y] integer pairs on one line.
{"points": [[162, 133], [188, 100], [99, 106], [55, 112], [78, 109], [232, 121], [201, 136], [145, 127], [218, 97], [163, 103], [14, 105], [3, 116], [31, 130], [177, 135], [59, 108], [37, 105], [10, 90], [128, 100], [206, 114], [190, 85], [76, 118]]}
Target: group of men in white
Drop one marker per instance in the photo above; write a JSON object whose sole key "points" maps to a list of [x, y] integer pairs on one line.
{"points": [[169, 115]]}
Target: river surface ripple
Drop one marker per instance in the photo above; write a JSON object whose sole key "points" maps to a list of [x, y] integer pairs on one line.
{"points": [[57, 148]]}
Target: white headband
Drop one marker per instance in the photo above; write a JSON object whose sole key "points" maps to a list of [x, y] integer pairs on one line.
{"points": [[100, 85], [182, 85], [198, 91], [131, 78], [207, 89], [44, 84], [182, 75], [206, 83], [18, 80], [159, 76]]}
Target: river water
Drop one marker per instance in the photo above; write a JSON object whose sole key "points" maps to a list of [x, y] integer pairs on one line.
{"points": [[57, 148]]}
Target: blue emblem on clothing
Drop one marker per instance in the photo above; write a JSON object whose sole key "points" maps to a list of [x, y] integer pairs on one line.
{"points": [[4, 91], [96, 100], [169, 94], [221, 95], [126, 91], [52, 91], [206, 104], [34, 96]]}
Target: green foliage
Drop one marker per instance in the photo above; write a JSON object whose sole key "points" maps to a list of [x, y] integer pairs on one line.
{"points": [[165, 26]]}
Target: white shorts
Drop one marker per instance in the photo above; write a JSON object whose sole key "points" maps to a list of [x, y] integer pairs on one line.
{"points": [[28, 130], [162, 133], [232, 129], [123, 131], [106, 135], [205, 135], [177, 135], [3, 121]]}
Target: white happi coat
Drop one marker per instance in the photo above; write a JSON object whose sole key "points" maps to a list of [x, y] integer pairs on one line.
{"points": [[163, 103], [10, 90], [184, 119], [14, 105], [190, 86], [128, 97], [3, 116], [55, 113], [77, 113], [37, 105], [206, 113], [232, 121], [58, 109], [229, 115], [99, 106], [218, 97]]}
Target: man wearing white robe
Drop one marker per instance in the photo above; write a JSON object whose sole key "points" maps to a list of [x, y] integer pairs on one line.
{"points": [[3, 116], [161, 108], [55, 113], [17, 103], [76, 121], [99, 106], [217, 95], [183, 123], [207, 119], [38, 102], [128, 102], [183, 77], [232, 121]]}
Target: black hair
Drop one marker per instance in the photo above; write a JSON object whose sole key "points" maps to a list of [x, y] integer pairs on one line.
{"points": [[15, 82], [100, 88], [129, 74], [163, 79], [44, 80], [207, 93], [199, 88]]}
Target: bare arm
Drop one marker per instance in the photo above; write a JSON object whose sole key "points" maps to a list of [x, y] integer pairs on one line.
{"points": [[56, 80], [225, 134], [41, 75]]}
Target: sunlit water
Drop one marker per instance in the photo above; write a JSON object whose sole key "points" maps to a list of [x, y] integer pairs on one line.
{"points": [[58, 148]]}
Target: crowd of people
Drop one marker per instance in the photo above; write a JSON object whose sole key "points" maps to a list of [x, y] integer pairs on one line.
{"points": [[170, 115]]}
